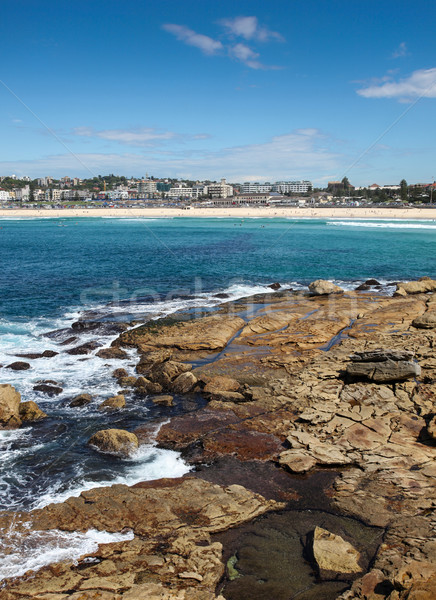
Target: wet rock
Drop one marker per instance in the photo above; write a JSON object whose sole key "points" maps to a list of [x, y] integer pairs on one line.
{"points": [[30, 411], [385, 371], [35, 355], [49, 390], [84, 348], [9, 407], [363, 287], [184, 383], [18, 365], [221, 295], [128, 381], [372, 282], [275, 286], [112, 352], [81, 400], [333, 555], [116, 442], [113, 403], [322, 287], [164, 400], [118, 373]]}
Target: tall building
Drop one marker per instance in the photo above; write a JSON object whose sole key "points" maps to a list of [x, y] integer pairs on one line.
{"points": [[220, 190]]}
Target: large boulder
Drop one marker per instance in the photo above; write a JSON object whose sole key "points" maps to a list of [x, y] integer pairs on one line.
{"points": [[183, 383], [416, 287], [383, 366], [384, 372], [30, 411], [19, 365], [322, 287], [116, 442], [81, 400], [9, 407], [425, 321], [112, 352], [333, 555], [113, 403], [222, 383]]}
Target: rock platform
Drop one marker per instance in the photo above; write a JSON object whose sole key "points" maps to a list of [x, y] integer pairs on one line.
{"points": [[284, 403]]}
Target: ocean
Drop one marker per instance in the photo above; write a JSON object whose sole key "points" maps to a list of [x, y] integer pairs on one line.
{"points": [[116, 269]]}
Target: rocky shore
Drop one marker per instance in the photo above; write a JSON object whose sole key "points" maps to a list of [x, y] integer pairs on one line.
{"points": [[313, 455]]}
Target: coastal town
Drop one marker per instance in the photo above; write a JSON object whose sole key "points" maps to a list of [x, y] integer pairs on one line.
{"points": [[118, 190]]}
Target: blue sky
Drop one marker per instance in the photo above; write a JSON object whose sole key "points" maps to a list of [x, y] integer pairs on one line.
{"points": [[250, 91]]}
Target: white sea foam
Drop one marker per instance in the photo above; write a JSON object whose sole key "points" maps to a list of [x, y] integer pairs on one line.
{"points": [[32, 550], [427, 224], [146, 464]]}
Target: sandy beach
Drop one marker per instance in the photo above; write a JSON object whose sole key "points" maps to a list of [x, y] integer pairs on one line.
{"points": [[232, 212]]}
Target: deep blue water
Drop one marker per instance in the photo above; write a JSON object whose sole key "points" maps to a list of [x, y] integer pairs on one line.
{"points": [[52, 270]]}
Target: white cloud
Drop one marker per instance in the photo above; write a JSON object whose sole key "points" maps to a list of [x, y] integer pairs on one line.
{"points": [[400, 51], [246, 27], [420, 84], [249, 29], [304, 153], [205, 43], [142, 136]]}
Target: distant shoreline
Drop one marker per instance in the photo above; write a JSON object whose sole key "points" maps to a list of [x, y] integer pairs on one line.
{"points": [[229, 212]]}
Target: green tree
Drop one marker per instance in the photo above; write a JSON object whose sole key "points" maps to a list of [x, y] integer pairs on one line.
{"points": [[404, 190]]}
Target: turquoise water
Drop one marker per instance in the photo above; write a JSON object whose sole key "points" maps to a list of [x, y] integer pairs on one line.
{"points": [[52, 265], [55, 270]]}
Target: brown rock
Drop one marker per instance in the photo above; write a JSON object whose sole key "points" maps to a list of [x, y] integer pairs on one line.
{"points": [[18, 365], [112, 352], [333, 554], [431, 428], [229, 397], [321, 287], [113, 403], [208, 333], [128, 381], [221, 383], [426, 321], [183, 383], [118, 373], [297, 461], [81, 400], [165, 400], [9, 407], [417, 287], [30, 411], [116, 442]]}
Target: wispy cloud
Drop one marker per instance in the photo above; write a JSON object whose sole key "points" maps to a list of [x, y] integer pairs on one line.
{"points": [[142, 136], [246, 27], [205, 43], [249, 28], [420, 84], [303, 153], [400, 51]]}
